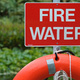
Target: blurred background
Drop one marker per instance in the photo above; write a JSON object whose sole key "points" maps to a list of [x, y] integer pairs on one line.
{"points": [[13, 54]]}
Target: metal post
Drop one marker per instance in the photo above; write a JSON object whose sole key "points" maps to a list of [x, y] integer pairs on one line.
{"points": [[56, 1], [56, 48]]}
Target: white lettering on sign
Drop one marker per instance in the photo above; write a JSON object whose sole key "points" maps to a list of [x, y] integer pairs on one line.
{"points": [[37, 31], [68, 14], [58, 31], [76, 32], [56, 15], [67, 32], [51, 15], [41, 14], [49, 33]]}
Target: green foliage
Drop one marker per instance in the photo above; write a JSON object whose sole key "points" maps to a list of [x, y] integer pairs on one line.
{"points": [[15, 59], [13, 9], [74, 0], [11, 34], [7, 77], [75, 49]]}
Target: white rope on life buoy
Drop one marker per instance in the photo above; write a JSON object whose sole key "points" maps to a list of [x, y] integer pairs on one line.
{"points": [[62, 73]]}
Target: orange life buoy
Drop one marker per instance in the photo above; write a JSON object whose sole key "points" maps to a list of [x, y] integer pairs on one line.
{"points": [[46, 66]]}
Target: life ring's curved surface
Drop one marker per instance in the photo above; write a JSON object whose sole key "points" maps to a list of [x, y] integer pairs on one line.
{"points": [[40, 68]]}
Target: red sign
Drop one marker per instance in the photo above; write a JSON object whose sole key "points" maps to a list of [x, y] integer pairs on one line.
{"points": [[48, 24]]}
